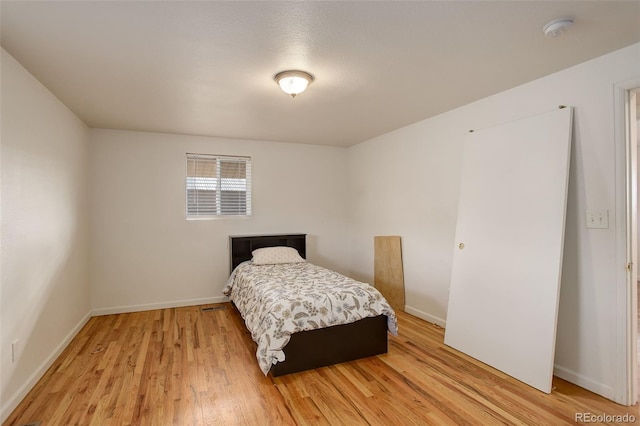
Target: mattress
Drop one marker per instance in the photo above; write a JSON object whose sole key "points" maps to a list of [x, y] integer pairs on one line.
{"points": [[278, 300]]}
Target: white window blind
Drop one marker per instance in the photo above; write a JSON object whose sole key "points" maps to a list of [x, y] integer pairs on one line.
{"points": [[218, 186]]}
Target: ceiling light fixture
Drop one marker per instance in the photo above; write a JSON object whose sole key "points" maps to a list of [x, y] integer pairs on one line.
{"points": [[556, 27], [293, 82]]}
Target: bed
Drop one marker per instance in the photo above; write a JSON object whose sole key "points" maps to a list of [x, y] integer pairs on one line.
{"points": [[295, 347]]}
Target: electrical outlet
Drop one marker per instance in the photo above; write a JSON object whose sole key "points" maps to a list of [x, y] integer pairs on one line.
{"points": [[597, 219], [15, 350]]}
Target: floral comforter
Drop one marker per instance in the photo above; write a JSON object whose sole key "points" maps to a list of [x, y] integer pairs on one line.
{"points": [[278, 300]]}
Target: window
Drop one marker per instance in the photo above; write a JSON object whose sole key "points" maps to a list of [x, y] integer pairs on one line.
{"points": [[218, 186]]}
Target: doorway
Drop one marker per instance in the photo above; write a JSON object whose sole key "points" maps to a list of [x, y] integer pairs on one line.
{"points": [[628, 109], [634, 136]]}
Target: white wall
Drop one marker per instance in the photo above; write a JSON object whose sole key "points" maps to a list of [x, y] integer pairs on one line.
{"points": [[406, 183], [145, 254], [44, 278]]}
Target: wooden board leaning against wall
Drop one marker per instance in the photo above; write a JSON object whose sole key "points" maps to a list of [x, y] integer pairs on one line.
{"points": [[388, 270]]}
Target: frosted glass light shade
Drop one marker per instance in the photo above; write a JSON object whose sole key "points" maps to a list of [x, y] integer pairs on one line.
{"points": [[293, 82]]}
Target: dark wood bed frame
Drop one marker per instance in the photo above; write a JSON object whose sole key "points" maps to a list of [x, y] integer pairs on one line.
{"points": [[315, 348]]}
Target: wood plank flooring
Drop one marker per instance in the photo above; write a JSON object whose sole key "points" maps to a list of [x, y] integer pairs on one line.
{"points": [[184, 366]]}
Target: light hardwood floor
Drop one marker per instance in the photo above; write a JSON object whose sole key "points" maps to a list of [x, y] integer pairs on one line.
{"points": [[184, 366]]}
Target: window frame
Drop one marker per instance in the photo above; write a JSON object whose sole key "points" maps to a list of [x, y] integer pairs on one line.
{"points": [[218, 182]]}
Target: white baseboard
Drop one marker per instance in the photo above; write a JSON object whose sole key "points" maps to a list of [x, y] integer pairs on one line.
{"points": [[14, 400], [425, 316], [161, 305], [584, 382], [559, 371]]}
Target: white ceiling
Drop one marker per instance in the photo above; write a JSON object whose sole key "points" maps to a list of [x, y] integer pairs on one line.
{"points": [[206, 68]]}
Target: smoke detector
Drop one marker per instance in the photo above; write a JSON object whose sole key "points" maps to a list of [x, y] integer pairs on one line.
{"points": [[557, 27]]}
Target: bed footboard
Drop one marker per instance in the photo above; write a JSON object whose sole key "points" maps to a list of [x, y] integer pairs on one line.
{"points": [[326, 346]]}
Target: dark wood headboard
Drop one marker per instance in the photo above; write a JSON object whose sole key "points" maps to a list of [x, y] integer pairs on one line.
{"points": [[241, 246]]}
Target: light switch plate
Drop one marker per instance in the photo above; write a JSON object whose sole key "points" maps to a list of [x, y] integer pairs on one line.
{"points": [[597, 219]]}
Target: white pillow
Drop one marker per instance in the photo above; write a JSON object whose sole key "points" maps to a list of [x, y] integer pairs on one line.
{"points": [[275, 255]]}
